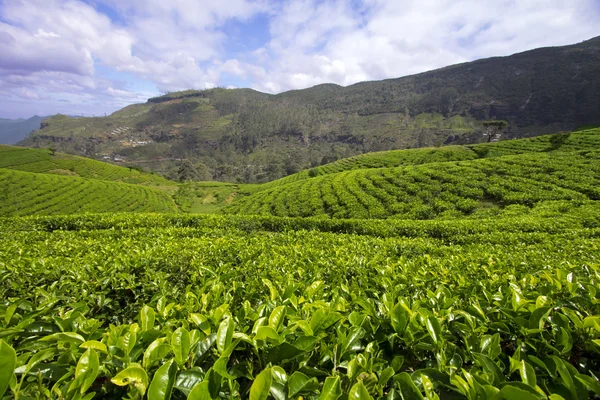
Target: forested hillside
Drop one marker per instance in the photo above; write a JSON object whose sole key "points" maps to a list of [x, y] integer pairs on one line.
{"points": [[242, 135]]}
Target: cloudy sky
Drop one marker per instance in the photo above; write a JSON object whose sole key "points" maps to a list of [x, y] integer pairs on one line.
{"points": [[96, 56]]}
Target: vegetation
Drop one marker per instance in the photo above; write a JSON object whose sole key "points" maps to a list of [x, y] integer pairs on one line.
{"points": [[26, 193], [246, 136], [212, 307], [482, 283], [48, 162], [431, 189], [204, 197]]}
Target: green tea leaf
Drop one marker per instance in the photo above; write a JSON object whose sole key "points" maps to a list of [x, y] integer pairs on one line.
{"points": [[135, 376], [385, 376], [180, 342], [589, 382], [202, 322], [261, 385], [157, 350], [399, 317], [407, 387], [8, 363], [162, 383], [299, 382], [224, 334], [359, 392], [332, 389], [565, 375], [94, 344], [276, 318], [527, 374], [71, 337], [186, 380], [200, 392], [266, 332], [519, 391], [434, 329], [147, 318], [489, 366], [86, 371]]}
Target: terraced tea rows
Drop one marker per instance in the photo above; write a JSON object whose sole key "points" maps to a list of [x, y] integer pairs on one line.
{"points": [[588, 139], [450, 189], [220, 307], [25, 193], [43, 161], [383, 159]]}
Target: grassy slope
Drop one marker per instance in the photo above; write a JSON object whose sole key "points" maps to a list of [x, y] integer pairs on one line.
{"points": [[579, 140], [539, 172], [191, 197], [205, 197], [26, 193], [43, 161], [35, 181]]}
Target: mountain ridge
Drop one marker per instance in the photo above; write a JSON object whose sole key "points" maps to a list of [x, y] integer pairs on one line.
{"points": [[14, 130], [243, 135]]}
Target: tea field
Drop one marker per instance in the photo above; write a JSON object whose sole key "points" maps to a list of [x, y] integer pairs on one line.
{"points": [[210, 307], [466, 272], [485, 178], [26, 193], [46, 161]]}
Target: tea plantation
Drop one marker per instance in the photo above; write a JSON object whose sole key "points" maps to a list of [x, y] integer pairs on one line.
{"points": [[473, 275], [35, 181], [46, 161]]}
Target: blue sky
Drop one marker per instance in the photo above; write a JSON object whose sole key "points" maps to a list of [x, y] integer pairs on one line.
{"points": [[95, 56]]}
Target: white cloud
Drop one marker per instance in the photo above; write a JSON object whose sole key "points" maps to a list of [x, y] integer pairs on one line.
{"points": [[315, 42], [53, 49]]}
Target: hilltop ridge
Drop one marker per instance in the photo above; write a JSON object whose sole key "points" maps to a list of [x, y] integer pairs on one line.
{"points": [[242, 135]]}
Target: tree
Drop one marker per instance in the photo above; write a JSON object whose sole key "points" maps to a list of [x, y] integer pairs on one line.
{"points": [[494, 127], [187, 171], [558, 139]]}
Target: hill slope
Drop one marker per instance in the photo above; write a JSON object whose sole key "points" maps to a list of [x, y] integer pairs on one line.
{"points": [[248, 136], [26, 193], [584, 139], [442, 189], [47, 161], [41, 182]]}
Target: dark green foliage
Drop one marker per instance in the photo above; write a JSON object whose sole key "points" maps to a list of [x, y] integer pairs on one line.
{"points": [[558, 139], [187, 172], [238, 307]]}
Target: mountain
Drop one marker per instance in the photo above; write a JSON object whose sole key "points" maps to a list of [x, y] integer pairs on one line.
{"points": [[15, 130], [247, 136]]}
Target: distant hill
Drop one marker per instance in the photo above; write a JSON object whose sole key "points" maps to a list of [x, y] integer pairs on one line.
{"points": [[242, 135], [15, 130]]}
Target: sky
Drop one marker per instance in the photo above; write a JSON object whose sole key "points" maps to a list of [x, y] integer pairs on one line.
{"points": [[91, 57]]}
